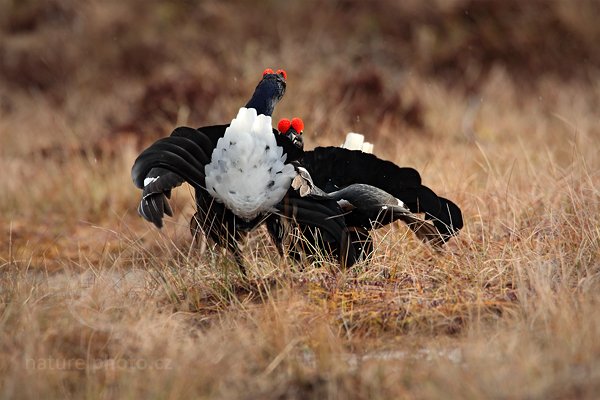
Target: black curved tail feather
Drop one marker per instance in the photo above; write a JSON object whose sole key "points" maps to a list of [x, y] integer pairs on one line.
{"points": [[206, 137], [176, 154], [333, 168], [445, 215], [154, 207], [169, 162], [449, 220], [339, 167]]}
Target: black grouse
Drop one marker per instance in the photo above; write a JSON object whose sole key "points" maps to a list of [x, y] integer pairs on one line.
{"points": [[370, 193], [241, 173]]}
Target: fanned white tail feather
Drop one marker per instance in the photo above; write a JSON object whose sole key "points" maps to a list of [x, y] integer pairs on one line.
{"points": [[356, 141], [247, 171]]}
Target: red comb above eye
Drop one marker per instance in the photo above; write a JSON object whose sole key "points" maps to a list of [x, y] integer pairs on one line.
{"points": [[282, 73], [268, 71], [297, 124], [284, 125]]}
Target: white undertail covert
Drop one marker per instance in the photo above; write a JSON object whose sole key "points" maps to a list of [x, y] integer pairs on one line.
{"points": [[356, 141], [247, 171]]}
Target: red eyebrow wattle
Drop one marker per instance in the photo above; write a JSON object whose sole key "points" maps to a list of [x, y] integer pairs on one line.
{"points": [[282, 73], [284, 125], [297, 124]]}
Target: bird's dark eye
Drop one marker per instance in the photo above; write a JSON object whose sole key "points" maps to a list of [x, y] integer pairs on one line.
{"points": [[297, 124], [282, 73], [268, 71], [284, 125]]}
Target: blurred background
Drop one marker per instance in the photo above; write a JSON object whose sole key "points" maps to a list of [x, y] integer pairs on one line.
{"points": [[440, 86], [495, 103], [76, 71]]}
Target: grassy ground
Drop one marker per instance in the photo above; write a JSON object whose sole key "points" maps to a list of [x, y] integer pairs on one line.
{"points": [[96, 303]]}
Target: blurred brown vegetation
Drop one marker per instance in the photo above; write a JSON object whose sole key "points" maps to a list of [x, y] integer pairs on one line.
{"points": [[494, 102], [139, 64]]}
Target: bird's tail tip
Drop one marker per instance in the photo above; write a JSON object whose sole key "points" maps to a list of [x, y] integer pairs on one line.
{"points": [[356, 141]]}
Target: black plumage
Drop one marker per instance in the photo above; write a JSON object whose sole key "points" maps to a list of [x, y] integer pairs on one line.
{"points": [[337, 198], [370, 193], [182, 157], [335, 168]]}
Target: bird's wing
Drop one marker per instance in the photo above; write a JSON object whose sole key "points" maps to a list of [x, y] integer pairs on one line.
{"points": [[370, 207], [324, 216], [334, 168]]}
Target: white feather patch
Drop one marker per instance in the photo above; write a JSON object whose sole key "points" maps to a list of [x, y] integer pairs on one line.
{"points": [[367, 147], [356, 141], [247, 171], [148, 181]]}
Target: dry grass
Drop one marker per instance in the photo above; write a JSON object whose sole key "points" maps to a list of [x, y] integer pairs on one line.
{"points": [[96, 303]]}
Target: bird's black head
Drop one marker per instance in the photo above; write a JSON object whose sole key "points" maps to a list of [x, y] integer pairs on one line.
{"points": [[289, 137], [268, 92], [292, 130]]}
